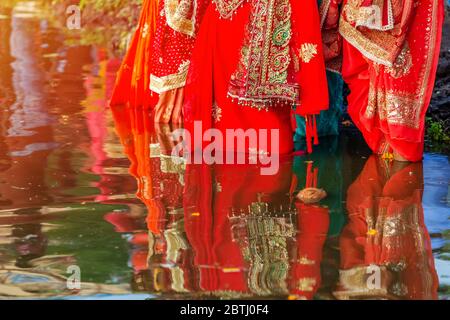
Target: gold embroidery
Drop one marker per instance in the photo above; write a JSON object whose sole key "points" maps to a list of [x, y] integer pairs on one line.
{"points": [[155, 150], [184, 66], [263, 234], [351, 10], [226, 294], [377, 41], [171, 81], [166, 83], [144, 185], [388, 229], [399, 238], [227, 8], [295, 61], [303, 260], [394, 106], [402, 64], [172, 164], [368, 45], [307, 52], [353, 284], [145, 30], [180, 15], [216, 112], [370, 16], [262, 72], [306, 284]]}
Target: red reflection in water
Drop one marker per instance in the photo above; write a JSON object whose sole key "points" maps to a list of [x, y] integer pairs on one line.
{"points": [[386, 229], [215, 231], [227, 231], [220, 230]]}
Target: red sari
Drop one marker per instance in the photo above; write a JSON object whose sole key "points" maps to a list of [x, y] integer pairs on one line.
{"points": [[390, 56], [386, 229], [228, 63], [233, 85]]}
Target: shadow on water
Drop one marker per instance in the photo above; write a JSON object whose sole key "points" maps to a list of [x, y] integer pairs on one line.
{"points": [[83, 185]]}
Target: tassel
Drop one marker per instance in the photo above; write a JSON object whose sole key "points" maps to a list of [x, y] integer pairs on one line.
{"points": [[311, 176], [315, 135], [308, 134], [316, 172], [311, 132]]}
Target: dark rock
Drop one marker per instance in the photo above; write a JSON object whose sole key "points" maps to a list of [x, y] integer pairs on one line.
{"points": [[439, 109]]}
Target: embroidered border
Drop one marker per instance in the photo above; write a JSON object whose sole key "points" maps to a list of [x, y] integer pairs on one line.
{"points": [[227, 8], [177, 15], [368, 48], [262, 72], [372, 16], [171, 81]]}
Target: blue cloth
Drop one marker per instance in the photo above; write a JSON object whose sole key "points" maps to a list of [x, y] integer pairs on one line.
{"points": [[327, 121]]}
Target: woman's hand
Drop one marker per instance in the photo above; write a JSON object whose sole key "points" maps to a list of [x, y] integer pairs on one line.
{"points": [[170, 107]]}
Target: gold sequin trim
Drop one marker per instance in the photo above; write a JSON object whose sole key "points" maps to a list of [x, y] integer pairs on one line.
{"points": [[227, 8], [170, 82]]}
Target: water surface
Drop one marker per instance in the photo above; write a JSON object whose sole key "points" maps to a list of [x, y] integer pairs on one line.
{"points": [[83, 185]]}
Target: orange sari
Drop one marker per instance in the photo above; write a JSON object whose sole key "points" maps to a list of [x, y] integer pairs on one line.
{"points": [[133, 77], [158, 56]]}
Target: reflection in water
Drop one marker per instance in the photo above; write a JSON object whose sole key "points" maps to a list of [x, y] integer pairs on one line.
{"points": [[70, 168], [37, 160], [28, 132], [227, 231], [231, 233], [386, 229], [29, 128]]}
